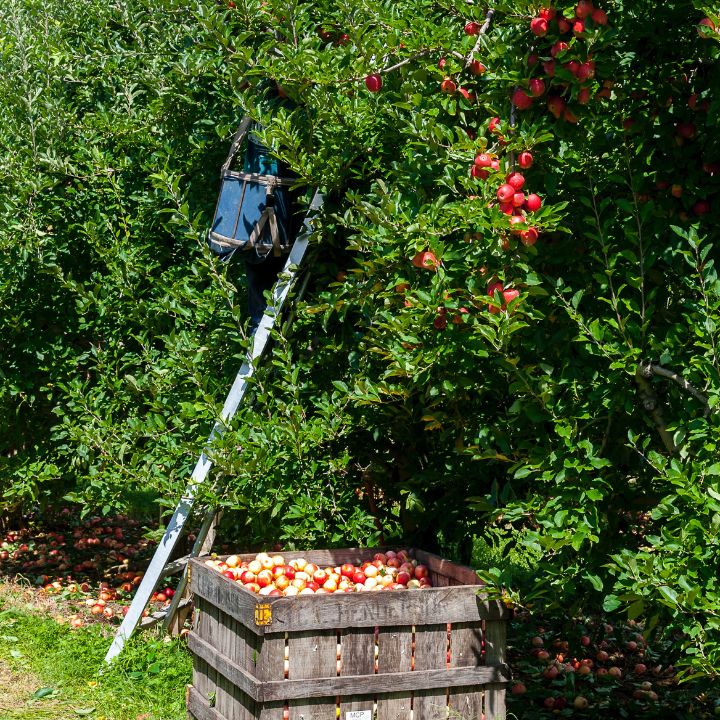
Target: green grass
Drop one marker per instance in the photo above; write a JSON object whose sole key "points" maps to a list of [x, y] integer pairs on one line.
{"points": [[55, 671]]}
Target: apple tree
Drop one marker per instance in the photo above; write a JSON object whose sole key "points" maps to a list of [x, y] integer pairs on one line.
{"points": [[520, 298]]}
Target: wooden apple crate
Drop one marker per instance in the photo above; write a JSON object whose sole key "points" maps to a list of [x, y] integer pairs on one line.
{"points": [[423, 654]]}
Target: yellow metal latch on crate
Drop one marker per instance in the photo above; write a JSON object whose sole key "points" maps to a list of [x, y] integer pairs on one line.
{"points": [[263, 614]]}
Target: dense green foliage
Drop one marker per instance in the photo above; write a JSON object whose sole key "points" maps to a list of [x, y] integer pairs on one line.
{"points": [[580, 419]]}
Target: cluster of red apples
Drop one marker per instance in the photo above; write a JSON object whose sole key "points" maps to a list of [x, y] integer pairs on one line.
{"points": [[271, 575], [512, 201], [567, 68]]}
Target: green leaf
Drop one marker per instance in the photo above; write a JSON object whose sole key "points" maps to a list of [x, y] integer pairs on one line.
{"points": [[611, 603], [668, 593], [595, 581], [636, 609]]}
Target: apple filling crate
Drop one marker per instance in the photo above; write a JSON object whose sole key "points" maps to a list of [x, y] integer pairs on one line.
{"points": [[425, 654]]}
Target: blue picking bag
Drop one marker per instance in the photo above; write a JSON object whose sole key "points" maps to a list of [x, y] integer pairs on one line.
{"points": [[253, 210]]}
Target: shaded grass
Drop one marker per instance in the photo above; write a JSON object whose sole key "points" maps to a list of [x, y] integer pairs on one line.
{"points": [[40, 654]]}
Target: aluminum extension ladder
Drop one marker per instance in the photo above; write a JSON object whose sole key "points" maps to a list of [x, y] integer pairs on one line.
{"points": [[159, 565]]}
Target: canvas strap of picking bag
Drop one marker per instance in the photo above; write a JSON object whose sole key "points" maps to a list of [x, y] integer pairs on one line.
{"points": [[253, 210]]}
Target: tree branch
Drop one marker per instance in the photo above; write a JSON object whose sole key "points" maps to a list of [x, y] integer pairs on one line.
{"points": [[651, 404], [483, 30], [683, 383], [404, 62]]}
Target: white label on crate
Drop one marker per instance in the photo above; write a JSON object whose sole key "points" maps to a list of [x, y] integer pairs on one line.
{"points": [[359, 715]]}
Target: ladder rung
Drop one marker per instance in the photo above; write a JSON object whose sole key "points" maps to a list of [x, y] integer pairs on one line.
{"points": [[156, 617], [176, 566]]}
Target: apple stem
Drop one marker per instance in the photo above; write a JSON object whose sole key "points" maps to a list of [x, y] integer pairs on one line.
{"points": [[478, 42]]}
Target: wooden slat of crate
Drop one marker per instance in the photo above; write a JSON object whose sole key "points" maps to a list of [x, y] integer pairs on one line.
{"points": [[312, 654], [466, 650], [394, 655], [269, 666], [199, 708], [238, 648], [211, 635], [224, 694], [201, 669], [430, 654], [495, 640], [347, 610], [460, 573], [357, 657]]}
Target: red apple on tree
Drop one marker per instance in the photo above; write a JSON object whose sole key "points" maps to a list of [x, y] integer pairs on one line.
{"points": [[515, 222], [585, 71], [572, 66], [599, 17], [373, 82], [426, 260], [529, 237], [448, 86], [533, 203], [510, 295], [521, 99], [539, 26], [516, 179], [701, 207], [583, 9], [506, 208], [505, 193], [537, 87], [705, 27]]}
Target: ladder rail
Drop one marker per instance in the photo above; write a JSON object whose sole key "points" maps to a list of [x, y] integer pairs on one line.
{"points": [[202, 468], [206, 535]]}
